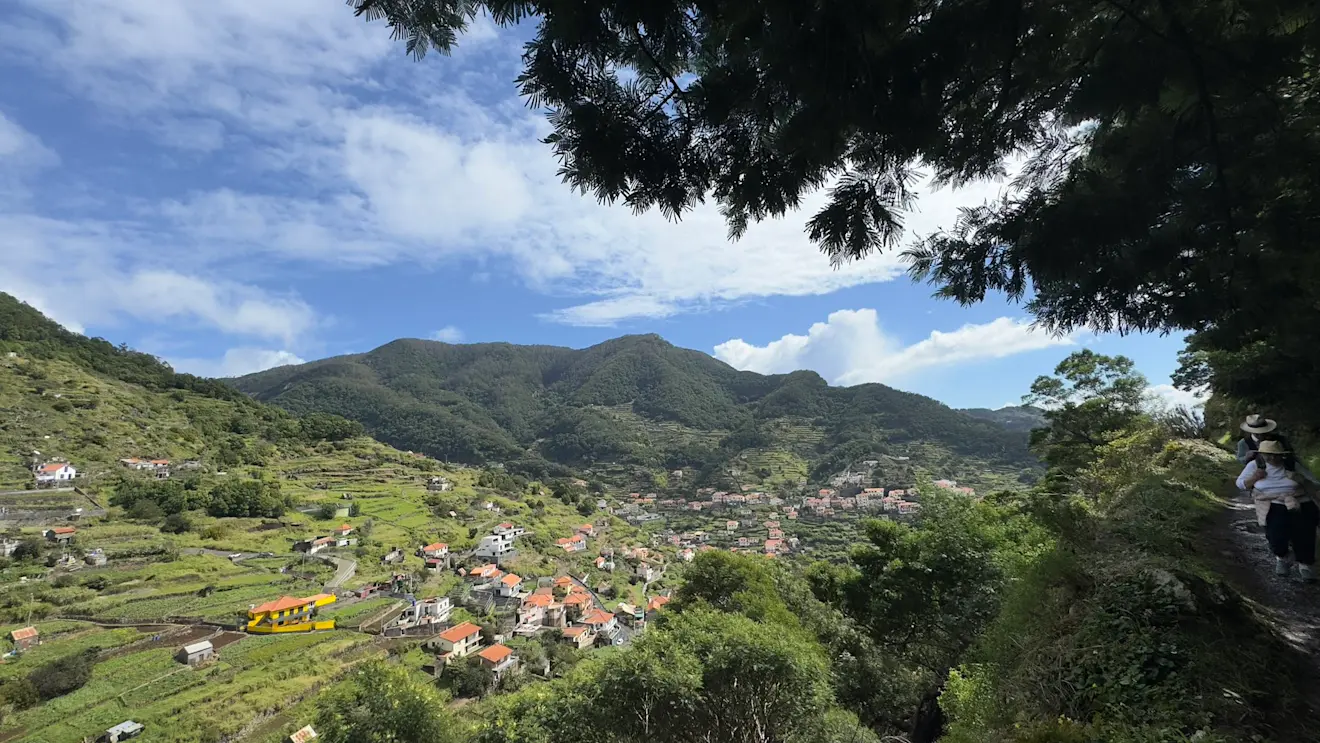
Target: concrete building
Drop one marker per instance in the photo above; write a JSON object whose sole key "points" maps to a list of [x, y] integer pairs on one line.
{"points": [[196, 653]]}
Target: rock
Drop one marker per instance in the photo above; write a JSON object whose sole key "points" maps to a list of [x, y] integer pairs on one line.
{"points": [[1169, 583]]}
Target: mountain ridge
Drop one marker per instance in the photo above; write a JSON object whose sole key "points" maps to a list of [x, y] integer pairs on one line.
{"points": [[496, 401]]}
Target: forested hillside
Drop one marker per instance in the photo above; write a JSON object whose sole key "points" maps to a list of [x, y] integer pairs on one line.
{"points": [[635, 399]]}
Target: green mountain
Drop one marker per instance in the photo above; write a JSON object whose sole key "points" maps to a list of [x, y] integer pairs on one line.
{"points": [[1013, 417], [634, 400]]}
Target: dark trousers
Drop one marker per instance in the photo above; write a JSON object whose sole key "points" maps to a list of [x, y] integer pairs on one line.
{"points": [[1284, 527]]}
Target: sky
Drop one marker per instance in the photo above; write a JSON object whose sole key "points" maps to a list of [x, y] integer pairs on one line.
{"points": [[232, 185]]}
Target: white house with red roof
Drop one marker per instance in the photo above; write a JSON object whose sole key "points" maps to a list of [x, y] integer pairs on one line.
{"points": [[510, 585], [499, 659], [575, 543], [435, 549], [55, 472], [460, 640]]}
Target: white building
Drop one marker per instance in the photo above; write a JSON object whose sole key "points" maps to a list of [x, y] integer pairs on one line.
{"points": [[495, 546], [56, 472]]}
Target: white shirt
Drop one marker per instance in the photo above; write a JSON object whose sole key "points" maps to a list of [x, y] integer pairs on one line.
{"points": [[1274, 486]]}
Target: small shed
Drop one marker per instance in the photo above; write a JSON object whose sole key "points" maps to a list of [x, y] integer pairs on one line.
{"points": [[123, 731], [305, 734], [196, 653], [25, 638]]}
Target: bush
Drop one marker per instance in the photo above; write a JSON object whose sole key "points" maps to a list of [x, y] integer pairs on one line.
{"points": [[63, 580], [215, 531], [326, 511], [176, 523], [18, 692], [29, 549], [67, 674], [146, 510]]}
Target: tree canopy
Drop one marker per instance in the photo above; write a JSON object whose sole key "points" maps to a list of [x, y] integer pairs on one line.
{"points": [[1161, 154]]}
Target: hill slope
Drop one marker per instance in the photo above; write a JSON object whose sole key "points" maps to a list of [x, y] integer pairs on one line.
{"points": [[634, 400]]}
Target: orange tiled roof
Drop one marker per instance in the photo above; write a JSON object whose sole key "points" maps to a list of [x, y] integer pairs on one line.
{"points": [[25, 633], [597, 617], [280, 604], [564, 580], [495, 653], [64, 530], [578, 597], [506, 525], [435, 547], [656, 602], [539, 599], [52, 467], [511, 580], [575, 631], [458, 632]]}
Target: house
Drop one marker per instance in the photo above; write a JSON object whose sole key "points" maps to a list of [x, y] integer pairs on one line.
{"points": [[510, 585], [731, 525], [773, 546], [580, 636], [123, 731], [7, 546], [630, 615], [133, 463], [439, 484], [486, 572], [499, 659], [24, 638], [96, 558], [563, 585], [289, 614], [421, 613], [497, 546], [687, 555], [460, 641], [304, 734], [391, 557], [744, 541], [578, 603], [655, 603], [772, 524], [575, 543], [599, 620], [342, 530], [196, 653], [946, 484], [48, 474], [61, 534], [508, 528], [532, 611], [434, 564], [587, 529], [776, 534], [314, 545], [435, 549], [646, 571]]}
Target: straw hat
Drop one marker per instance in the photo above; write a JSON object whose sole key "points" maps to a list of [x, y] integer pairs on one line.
{"points": [[1259, 424], [1272, 447]]}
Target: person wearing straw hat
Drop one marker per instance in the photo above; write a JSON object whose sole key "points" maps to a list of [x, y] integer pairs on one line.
{"points": [[1283, 507], [1258, 428]]}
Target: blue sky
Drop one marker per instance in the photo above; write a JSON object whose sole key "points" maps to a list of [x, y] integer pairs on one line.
{"points": [[235, 184]]}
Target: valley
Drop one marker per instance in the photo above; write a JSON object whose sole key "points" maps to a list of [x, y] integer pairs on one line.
{"points": [[145, 511]]}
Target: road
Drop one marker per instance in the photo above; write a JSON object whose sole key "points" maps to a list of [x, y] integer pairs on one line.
{"points": [[225, 554], [344, 571]]}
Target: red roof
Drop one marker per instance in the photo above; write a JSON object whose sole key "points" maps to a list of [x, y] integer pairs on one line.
{"points": [[656, 602], [539, 599], [511, 580], [64, 530], [597, 617], [495, 653], [435, 547], [344, 527], [564, 580], [160, 461], [506, 525], [575, 631], [26, 633], [280, 604], [459, 632], [586, 527], [53, 467], [578, 598]]}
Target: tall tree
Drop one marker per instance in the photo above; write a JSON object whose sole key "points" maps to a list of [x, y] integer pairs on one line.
{"points": [[1089, 398], [1168, 181]]}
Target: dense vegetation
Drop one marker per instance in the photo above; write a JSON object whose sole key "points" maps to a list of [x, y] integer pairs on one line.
{"points": [[478, 402]]}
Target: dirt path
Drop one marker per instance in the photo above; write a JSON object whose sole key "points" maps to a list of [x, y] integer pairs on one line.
{"points": [[1293, 607]]}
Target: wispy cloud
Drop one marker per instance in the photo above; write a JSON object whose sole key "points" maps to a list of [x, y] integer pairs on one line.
{"points": [[236, 362]]}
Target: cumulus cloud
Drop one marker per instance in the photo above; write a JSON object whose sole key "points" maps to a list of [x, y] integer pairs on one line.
{"points": [[236, 362], [1168, 396], [851, 347], [448, 334]]}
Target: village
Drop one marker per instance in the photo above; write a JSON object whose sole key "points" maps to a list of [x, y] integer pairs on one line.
{"points": [[469, 605]]}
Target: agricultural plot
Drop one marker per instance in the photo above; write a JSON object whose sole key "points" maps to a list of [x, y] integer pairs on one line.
{"points": [[252, 679]]}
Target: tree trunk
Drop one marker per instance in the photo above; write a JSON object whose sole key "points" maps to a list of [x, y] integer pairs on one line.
{"points": [[928, 721]]}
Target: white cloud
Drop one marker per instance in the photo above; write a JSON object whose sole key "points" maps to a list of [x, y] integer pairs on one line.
{"points": [[367, 159], [236, 362], [448, 334], [851, 347], [1168, 396]]}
